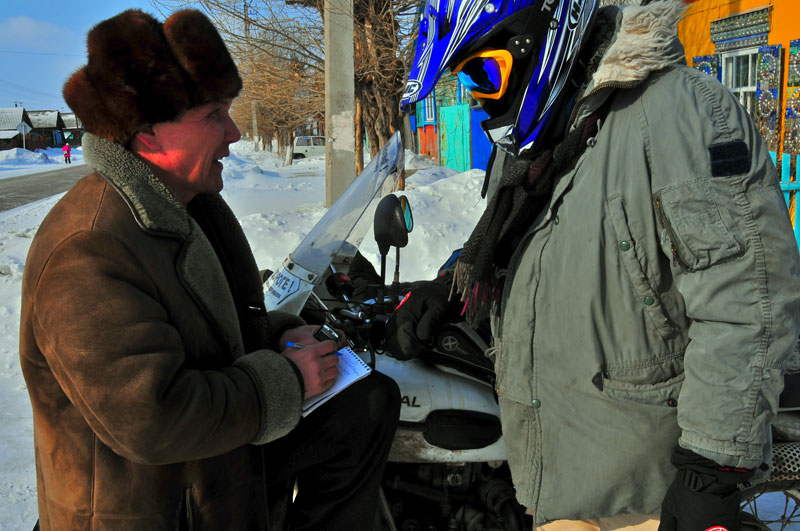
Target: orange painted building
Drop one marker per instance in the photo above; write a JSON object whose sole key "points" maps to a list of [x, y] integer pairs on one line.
{"points": [[753, 48]]}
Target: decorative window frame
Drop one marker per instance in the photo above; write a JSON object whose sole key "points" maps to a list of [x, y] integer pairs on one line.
{"points": [[729, 67], [742, 30], [430, 108]]}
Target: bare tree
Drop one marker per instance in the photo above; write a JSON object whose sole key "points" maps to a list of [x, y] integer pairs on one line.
{"points": [[382, 51]]}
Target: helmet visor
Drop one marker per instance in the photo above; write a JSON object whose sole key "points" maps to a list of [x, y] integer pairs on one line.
{"points": [[485, 74]]}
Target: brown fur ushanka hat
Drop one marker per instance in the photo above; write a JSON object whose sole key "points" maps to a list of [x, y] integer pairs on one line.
{"points": [[141, 72]]}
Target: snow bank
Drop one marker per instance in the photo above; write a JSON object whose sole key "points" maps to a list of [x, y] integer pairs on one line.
{"points": [[23, 156], [415, 161], [17, 161]]}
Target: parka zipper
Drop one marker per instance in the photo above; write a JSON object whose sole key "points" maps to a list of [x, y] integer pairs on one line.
{"points": [[676, 255], [610, 84]]}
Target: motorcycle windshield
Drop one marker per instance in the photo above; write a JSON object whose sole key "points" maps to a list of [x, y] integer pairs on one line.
{"points": [[340, 225], [338, 234]]}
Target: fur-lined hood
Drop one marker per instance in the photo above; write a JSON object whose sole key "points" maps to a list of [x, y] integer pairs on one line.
{"points": [[646, 41]]}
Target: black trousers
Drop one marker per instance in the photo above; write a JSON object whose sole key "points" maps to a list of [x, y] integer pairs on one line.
{"points": [[338, 455]]}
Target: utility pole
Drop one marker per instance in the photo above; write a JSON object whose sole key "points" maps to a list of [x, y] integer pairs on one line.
{"points": [[251, 56], [340, 156]]}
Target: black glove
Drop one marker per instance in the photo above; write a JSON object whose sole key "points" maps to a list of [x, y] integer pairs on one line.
{"points": [[415, 323], [703, 496]]}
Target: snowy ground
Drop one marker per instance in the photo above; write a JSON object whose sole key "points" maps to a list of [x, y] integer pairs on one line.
{"points": [[276, 206], [18, 161]]}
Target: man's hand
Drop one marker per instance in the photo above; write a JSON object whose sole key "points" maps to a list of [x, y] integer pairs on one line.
{"points": [[703, 496], [418, 318], [304, 335], [318, 364]]}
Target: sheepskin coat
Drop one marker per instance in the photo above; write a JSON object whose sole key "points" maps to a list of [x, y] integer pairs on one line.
{"points": [[145, 347], [655, 298]]}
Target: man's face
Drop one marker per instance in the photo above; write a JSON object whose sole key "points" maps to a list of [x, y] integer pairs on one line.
{"points": [[192, 145]]}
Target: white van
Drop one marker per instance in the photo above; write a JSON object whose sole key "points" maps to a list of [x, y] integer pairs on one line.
{"points": [[308, 146]]}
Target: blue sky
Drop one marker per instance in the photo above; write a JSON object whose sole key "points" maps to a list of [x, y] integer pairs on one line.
{"points": [[43, 41]]}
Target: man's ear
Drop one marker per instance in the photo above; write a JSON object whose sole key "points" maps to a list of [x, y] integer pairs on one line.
{"points": [[146, 141]]}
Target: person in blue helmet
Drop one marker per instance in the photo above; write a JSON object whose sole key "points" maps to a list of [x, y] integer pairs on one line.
{"points": [[635, 260]]}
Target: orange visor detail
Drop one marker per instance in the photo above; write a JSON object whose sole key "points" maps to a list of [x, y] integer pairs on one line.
{"points": [[485, 74]]}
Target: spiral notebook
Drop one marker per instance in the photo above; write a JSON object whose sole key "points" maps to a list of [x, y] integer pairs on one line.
{"points": [[351, 369]]}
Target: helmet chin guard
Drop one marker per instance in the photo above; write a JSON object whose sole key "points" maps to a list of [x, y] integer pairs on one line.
{"points": [[451, 30]]}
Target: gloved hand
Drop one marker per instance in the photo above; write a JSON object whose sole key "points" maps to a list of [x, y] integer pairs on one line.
{"points": [[704, 496], [415, 323]]}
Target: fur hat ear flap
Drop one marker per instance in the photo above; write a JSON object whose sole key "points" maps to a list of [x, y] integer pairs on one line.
{"points": [[90, 109], [136, 76]]}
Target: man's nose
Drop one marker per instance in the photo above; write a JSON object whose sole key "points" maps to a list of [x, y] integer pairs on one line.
{"points": [[232, 133]]}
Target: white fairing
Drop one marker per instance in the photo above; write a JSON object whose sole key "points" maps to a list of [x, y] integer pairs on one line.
{"points": [[288, 288], [425, 388]]}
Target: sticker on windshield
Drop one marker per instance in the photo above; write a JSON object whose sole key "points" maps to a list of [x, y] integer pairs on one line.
{"points": [[284, 285]]}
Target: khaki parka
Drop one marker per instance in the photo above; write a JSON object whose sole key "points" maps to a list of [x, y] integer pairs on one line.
{"points": [[146, 388], [655, 299]]}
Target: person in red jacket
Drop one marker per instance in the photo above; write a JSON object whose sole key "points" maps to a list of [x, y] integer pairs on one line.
{"points": [[67, 151]]}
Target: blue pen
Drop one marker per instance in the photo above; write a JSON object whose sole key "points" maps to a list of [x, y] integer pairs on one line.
{"points": [[289, 344]]}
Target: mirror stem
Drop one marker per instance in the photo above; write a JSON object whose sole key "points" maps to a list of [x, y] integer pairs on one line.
{"points": [[383, 279], [396, 278]]}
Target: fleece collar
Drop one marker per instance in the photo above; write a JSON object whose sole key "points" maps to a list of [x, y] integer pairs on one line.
{"points": [[155, 206], [158, 211], [646, 41]]}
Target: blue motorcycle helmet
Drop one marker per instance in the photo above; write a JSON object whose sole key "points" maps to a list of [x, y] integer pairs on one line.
{"points": [[515, 56]]}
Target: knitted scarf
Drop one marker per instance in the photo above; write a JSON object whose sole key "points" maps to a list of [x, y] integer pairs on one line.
{"points": [[523, 190]]}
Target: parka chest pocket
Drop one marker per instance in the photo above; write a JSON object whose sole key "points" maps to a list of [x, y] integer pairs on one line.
{"points": [[701, 231]]}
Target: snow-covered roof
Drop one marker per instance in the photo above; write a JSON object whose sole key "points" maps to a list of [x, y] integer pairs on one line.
{"points": [[45, 120], [11, 117], [6, 135], [70, 120]]}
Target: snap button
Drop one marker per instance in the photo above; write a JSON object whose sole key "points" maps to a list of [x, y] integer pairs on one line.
{"points": [[672, 402], [591, 142], [625, 246], [649, 301], [536, 404]]}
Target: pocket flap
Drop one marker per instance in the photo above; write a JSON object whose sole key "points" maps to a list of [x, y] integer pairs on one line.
{"points": [[663, 393], [704, 231]]}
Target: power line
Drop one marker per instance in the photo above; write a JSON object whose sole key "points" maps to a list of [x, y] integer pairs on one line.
{"points": [[18, 52], [17, 87]]}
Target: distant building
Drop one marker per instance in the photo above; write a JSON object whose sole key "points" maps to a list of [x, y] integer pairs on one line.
{"points": [[47, 130], [73, 128], [14, 123]]}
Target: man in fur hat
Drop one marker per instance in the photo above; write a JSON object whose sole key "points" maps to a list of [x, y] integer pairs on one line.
{"points": [[163, 394]]}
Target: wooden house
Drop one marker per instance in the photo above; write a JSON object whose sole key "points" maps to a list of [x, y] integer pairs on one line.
{"points": [[73, 128], [448, 126], [15, 126], [47, 130]]}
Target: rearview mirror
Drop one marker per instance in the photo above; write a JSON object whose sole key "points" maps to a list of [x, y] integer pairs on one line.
{"points": [[392, 223]]}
